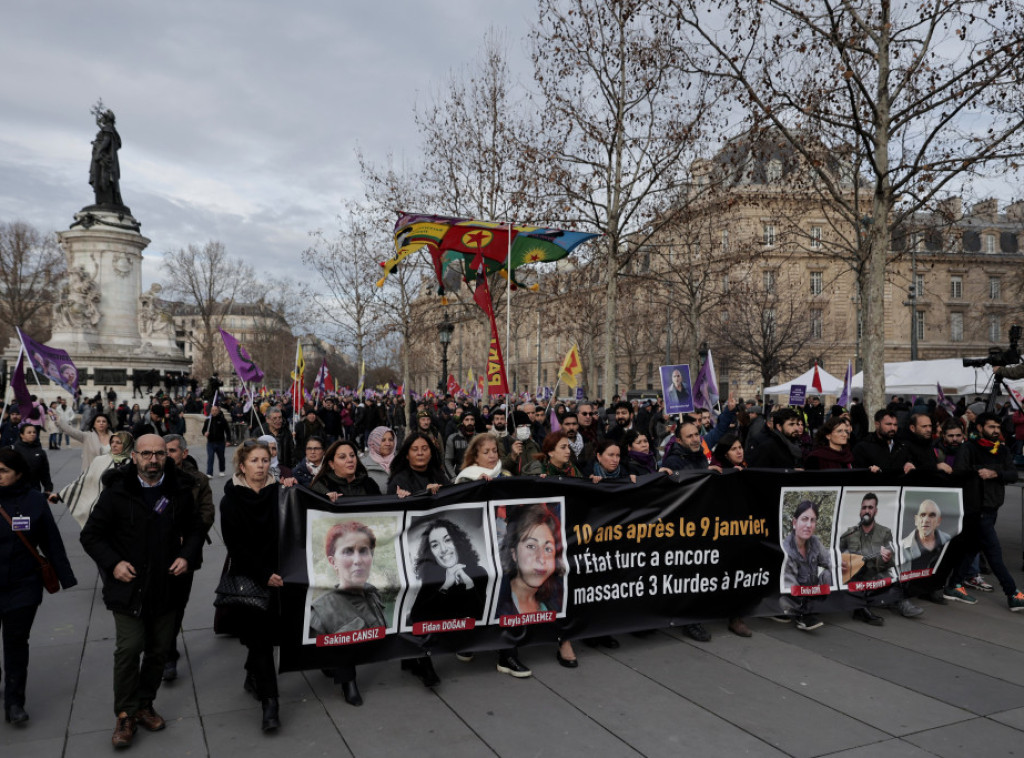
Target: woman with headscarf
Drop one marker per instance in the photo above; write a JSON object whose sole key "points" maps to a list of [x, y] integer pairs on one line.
{"points": [[380, 452], [81, 495], [279, 472]]}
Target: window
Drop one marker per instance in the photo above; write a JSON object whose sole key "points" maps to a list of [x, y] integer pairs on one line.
{"points": [[768, 236], [919, 324], [990, 243], [994, 288], [956, 287], [956, 327], [860, 325], [919, 285], [725, 240], [773, 173], [768, 279], [995, 330], [815, 237], [816, 283], [816, 324], [768, 324]]}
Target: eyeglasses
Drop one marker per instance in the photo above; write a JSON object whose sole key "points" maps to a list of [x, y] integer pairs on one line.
{"points": [[148, 454], [584, 413]]}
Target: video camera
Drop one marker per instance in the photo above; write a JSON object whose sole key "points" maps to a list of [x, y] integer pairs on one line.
{"points": [[997, 357]]}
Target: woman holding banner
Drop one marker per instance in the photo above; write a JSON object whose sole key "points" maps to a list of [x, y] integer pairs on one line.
{"points": [[249, 525], [380, 452], [343, 474], [481, 459], [417, 467], [831, 446], [609, 462], [555, 458]]}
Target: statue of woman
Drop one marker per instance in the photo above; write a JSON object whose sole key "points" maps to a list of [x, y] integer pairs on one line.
{"points": [[105, 171]]}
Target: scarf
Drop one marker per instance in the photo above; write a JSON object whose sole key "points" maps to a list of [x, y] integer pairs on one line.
{"points": [[472, 473], [373, 445], [647, 460], [600, 471], [270, 439], [576, 445], [127, 443], [993, 447]]}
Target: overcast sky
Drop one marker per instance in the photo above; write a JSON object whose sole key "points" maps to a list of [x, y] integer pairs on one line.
{"points": [[240, 119]]}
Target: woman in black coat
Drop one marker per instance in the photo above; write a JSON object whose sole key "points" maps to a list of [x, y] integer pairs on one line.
{"points": [[249, 525], [21, 581], [29, 447], [343, 474], [417, 467]]}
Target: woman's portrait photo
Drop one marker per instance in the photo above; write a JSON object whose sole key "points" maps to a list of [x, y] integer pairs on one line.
{"points": [[805, 529], [446, 550], [530, 542], [354, 577]]}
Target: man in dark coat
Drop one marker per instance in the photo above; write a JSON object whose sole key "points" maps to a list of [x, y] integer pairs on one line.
{"points": [[779, 447], [881, 451], [144, 534]]}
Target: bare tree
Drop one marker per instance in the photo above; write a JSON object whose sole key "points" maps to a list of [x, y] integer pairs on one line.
{"points": [[31, 267], [916, 98], [208, 282], [343, 302], [622, 115]]}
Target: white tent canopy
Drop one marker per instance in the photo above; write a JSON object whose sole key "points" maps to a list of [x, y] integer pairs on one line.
{"points": [[922, 377], [829, 384]]}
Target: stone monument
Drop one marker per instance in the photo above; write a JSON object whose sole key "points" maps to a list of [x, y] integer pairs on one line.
{"points": [[110, 328]]}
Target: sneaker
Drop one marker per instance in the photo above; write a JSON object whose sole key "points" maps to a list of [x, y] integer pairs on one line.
{"points": [[808, 621], [1016, 601], [979, 584], [958, 593], [464, 657], [907, 609], [511, 665], [782, 618], [222, 473], [697, 632], [124, 731]]}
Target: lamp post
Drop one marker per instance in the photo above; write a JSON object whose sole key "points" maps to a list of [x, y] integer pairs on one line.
{"points": [[444, 334]]}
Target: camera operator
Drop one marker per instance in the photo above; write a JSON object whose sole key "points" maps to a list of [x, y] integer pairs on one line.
{"points": [[1010, 372]]}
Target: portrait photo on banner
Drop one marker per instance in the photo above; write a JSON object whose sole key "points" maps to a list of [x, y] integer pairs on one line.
{"points": [[929, 518], [866, 529], [355, 573], [676, 389], [529, 549], [806, 535], [451, 567]]}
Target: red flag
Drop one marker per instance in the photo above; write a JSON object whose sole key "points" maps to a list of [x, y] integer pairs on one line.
{"points": [[816, 381], [497, 379], [453, 386]]}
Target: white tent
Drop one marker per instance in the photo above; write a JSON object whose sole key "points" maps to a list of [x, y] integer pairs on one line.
{"points": [[921, 377], [829, 384]]}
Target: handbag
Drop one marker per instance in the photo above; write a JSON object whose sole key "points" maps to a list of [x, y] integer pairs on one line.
{"points": [[240, 591], [50, 580]]}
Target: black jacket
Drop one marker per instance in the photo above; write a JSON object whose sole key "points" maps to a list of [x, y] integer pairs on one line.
{"points": [[216, 428], [678, 457], [985, 494], [774, 451], [874, 451], [122, 527], [38, 465], [249, 524], [285, 447], [921, 453]]}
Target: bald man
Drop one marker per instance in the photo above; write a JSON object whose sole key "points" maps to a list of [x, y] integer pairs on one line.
{"points": [[923, 546]]}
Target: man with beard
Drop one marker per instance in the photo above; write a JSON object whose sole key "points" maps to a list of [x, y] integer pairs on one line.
{"points": [[571, 426], [947, 445], [870, 545], [623, 421], [920, 451], [881, 451], [686, 451], [456, 444], [780, 447], [989, 463], [923, 546]]}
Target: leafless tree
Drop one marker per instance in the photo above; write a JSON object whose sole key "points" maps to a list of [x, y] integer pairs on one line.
{"points": [[622, 117], [31, 267], [913, 99], [208, 282]]}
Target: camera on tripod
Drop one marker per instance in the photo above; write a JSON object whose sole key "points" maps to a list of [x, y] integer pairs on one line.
{"points": [[998, 357]]}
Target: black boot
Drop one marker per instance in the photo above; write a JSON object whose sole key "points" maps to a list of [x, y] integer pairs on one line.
{"points": [[270, 719], [422, 668], [351, 692]]}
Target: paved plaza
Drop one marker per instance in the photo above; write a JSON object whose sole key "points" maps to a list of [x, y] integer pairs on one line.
{"points": [[949, 683]]}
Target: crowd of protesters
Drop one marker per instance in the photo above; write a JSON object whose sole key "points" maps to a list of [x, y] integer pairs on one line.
{"points": [[135, 462]]}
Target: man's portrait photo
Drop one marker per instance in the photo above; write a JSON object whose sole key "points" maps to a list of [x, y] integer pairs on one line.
{"points": [[675, 388], [930, 520], [866, 545]]}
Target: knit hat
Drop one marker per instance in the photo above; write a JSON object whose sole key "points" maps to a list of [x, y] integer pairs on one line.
{"points": [[976, 408]]}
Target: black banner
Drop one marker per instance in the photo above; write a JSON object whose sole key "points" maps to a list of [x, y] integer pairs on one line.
{"points": [[518, 561]]}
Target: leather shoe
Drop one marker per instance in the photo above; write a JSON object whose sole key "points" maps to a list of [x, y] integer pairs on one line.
{"points": [[865, 615], [124, 731], [511, 665], [351, 692], [15, 714], [569, 663], [739, 627], [270, 715], [697, 632], [149, 719]]}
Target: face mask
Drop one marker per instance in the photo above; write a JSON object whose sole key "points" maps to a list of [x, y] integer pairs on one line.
{"points": [[522, 433]]}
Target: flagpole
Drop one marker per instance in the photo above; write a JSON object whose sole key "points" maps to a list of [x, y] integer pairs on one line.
{"points": [[508, 313], [8, 389]]}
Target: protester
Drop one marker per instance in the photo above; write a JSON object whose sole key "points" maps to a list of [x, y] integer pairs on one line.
{"points": [[29, 448], [312, 464], [94, 436], [831, 446], [608, 464], [81, 495], [481, 460], [416, 467], [343, 475], [216, 430], [380, 452]]}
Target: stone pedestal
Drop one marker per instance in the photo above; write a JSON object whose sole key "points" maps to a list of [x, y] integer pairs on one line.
{"points": [[110, 328]]}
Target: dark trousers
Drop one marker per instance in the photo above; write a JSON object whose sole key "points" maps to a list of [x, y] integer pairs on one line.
{"points": [[150, 638], [214, 448], [16, 626], [981, 532]]}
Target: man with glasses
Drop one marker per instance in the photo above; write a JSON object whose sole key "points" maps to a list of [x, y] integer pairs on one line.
{"points": [[145, 534], [590, 431], [310, 466]]}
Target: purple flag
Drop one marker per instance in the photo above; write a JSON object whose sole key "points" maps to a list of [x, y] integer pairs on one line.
{"points": [[55, 365], [21, 393], [555, 426], [705, 389], [844, 396], [245, 367], [943, 400]]}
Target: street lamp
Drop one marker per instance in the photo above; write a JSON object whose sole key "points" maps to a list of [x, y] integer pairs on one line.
{"points": [[445, 330]]}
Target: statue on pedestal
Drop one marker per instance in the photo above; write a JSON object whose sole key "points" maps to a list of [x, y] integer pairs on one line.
{"points": [[105, 170], [78, 306]]}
